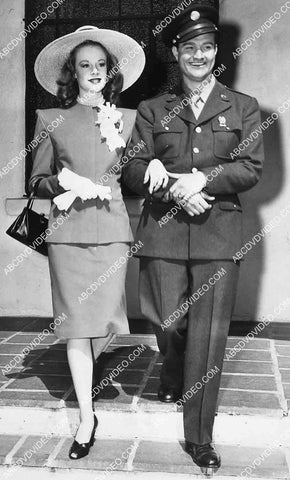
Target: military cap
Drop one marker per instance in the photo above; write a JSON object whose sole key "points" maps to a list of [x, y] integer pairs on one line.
{"points": [[200, 17]]}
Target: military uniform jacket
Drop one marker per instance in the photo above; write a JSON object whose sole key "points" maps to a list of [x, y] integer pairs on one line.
{"points": [[173, 135], [76, 144]]}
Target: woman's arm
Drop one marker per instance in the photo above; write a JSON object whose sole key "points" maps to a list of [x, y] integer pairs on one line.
{"points": [[43, 163]]}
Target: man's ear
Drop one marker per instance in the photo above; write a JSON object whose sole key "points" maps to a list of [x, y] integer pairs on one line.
{"points": [[175, 52]]}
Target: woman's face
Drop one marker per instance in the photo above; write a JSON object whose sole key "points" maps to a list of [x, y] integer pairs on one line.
{"points": [[91, 69]]}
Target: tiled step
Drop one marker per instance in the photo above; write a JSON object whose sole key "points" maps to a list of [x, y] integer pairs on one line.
{"points": [[36, 473], [108, 458], [252, 392], [154, 425]]}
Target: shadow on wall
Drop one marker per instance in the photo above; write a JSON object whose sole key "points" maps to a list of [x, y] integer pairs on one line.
{"points": [[267, 189], [228, 42]]}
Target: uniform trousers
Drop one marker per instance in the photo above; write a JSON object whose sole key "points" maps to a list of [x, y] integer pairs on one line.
{"points": [[193, 341]]}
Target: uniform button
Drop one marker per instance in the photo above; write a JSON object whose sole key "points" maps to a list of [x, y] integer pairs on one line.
{"points": [[196, 150], [198, 130]]}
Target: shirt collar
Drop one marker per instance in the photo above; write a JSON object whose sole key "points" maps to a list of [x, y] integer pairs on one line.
{"points": [[203, 91]]}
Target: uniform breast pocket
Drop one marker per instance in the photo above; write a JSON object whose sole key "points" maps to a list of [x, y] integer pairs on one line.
{"points": [[226, 138], [167, 144]]}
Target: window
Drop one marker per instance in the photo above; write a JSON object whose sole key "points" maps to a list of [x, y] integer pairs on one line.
{"points": [[136, 18]]}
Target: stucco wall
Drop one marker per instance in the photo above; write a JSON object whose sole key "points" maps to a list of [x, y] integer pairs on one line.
{"points": [[25, 290], [262, 71]]}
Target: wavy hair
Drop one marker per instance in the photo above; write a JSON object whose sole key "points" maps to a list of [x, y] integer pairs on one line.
{"points": [[68, 88]]}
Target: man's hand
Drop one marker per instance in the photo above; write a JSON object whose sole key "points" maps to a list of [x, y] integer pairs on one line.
{"points": [[187, 185], [197, 204]]}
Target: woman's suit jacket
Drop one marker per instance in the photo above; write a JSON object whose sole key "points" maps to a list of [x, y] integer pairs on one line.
{"points": [[76, 143]]}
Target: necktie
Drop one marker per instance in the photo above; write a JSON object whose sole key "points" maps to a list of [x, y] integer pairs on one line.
{"points": [[197, 106], [198, 103]]}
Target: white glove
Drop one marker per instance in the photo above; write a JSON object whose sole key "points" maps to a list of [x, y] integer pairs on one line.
{"points": [[83, 187], [156, 175], [78, 186], [104, 193], [64, 200]]}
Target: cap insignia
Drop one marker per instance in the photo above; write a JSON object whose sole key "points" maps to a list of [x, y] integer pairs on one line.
{"points": [[195, 15]]}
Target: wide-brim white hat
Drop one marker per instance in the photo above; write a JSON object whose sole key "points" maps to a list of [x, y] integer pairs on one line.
{"points": [[130, 55]]}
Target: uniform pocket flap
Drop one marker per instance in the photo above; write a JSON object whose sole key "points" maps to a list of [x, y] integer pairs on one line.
{"points": [[170, 129], [167, 143], [230, 206]]}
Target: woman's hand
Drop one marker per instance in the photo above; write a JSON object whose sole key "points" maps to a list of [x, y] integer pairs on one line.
{"points": [[156, 174], [87, 190], [103, 192], [82, 187]]}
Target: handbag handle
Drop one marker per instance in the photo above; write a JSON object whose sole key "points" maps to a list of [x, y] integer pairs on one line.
{"points": [[32, 194]]}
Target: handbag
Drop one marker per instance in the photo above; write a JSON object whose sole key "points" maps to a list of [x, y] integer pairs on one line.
{"points": [[29, 227]]}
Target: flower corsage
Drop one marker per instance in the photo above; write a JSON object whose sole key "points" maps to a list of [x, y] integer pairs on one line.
{"points": [[111, 124]]}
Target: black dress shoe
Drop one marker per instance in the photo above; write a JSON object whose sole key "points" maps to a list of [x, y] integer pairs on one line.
{"points": [[204, 456], [80, 450], [168, 395]]}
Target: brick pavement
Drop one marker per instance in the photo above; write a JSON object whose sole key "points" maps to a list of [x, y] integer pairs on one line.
{"points": [[255, 382], [256, 379], [140, 456]]}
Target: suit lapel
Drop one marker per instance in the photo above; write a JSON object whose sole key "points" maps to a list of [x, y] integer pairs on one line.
{"points": [[180, 109], [217, 102]]}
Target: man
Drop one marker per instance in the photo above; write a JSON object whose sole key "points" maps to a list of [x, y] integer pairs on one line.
{"points": [[193, 130]]}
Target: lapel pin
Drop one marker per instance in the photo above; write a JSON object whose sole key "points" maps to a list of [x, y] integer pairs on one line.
{"points": [[223, 96], [223, 122]]}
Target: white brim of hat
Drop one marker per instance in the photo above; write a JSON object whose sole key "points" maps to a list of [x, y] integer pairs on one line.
{"points": [[51, 59]]}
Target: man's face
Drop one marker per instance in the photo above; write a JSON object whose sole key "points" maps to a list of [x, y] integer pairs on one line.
{"points": [[196, 57]]}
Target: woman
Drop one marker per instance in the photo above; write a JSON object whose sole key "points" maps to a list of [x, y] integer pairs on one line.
{"points": [[83, 70]]}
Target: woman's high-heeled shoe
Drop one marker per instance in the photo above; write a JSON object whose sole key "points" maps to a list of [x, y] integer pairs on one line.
{"points": [[80, 450]]}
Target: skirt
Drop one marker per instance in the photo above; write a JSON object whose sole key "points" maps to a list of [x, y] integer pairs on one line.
{"points": [[88, 289]]}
